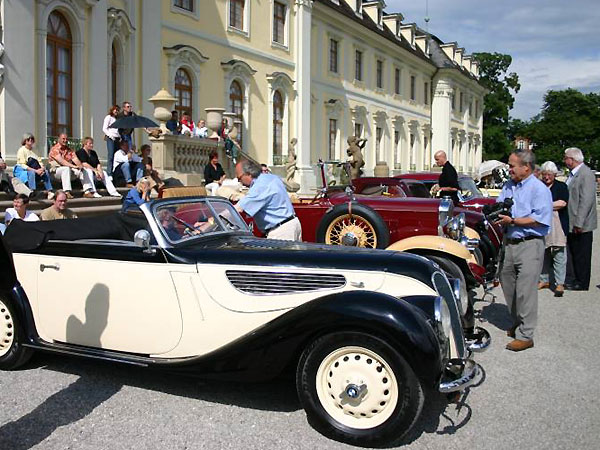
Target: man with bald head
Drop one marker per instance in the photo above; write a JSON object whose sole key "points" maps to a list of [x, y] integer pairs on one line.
{"points": [[448, 181]]}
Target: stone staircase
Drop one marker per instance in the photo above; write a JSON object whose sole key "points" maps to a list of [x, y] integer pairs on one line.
{"points": [[83, 207]]}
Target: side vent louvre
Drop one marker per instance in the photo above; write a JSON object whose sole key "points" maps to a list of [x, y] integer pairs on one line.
{"points": [[282, 282]]}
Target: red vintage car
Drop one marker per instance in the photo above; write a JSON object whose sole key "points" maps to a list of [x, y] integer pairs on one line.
{"points": [[469, 195]]}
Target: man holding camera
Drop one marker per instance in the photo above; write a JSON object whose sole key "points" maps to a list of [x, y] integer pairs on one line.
{"points": [[524, 246]]}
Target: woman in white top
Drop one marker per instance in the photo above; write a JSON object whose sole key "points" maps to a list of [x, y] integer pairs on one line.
{"points": [[19, 210], [111, 136]]}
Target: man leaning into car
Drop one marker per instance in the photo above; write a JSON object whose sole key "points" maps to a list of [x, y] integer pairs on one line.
{"points": [[268, 203], [524, 246]]}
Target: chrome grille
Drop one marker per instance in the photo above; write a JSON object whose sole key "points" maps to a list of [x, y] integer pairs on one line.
{"points": [[254, 282], [442, 286]]}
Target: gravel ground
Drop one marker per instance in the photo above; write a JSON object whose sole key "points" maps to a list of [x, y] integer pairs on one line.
{"points": [[545, 397]]}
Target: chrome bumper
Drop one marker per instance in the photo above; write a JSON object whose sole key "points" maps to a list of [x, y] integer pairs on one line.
{"points": [[459, 375], [479, 341]]}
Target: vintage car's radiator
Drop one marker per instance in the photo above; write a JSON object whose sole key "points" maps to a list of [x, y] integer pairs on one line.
{"points": [[255, 282]]}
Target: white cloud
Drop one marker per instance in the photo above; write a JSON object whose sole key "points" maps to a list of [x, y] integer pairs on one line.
{"points": [[553, 43]]}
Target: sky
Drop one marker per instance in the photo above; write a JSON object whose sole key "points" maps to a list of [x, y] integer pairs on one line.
{"points": [[555, 44]]}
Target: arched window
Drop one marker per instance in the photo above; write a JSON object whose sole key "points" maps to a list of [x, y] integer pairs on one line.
{"points": [[277, 128], [59, 76], [183, 92], [236, 105], [113, 75]]}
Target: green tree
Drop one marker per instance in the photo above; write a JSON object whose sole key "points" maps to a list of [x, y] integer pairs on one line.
{"points": [[569, 118], [493, 71]]}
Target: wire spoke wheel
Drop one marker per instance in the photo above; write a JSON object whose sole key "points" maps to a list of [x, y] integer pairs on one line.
{"points": [[351, 230], [357, 387], [7, 329]]}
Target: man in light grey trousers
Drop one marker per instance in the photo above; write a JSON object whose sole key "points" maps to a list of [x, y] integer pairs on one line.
{"points": [[582, 219], [524, 240]]}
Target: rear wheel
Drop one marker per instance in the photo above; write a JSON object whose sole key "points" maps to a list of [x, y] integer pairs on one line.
{"points": [[353, 225], [356, 388], [12, 352]]}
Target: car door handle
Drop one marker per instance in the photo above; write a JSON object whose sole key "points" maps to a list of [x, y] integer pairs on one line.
{"points": [[49, 266]]}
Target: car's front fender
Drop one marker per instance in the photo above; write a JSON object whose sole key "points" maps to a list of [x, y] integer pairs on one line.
{"points": [[436, 243], [276, 345]]}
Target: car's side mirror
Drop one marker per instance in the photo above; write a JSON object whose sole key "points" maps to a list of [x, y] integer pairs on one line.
{"points": [[141, 238]]}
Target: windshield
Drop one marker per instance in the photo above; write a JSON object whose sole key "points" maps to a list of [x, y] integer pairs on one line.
{"points": [[181, 220], [468, 188]]}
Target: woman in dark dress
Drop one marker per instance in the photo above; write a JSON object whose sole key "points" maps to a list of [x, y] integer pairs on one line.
{"points": [[213, 174]]}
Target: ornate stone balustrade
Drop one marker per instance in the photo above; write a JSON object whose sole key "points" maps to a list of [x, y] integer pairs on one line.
{"points": [[184, 158]]}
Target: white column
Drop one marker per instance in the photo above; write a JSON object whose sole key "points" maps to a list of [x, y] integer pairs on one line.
{"points": [[441, 112], [18, 95], [97, 86], [303, 102], [148, 28]]}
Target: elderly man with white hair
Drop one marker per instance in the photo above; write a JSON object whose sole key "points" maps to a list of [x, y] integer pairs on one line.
{"points": [[555, 255], [582, 220]]}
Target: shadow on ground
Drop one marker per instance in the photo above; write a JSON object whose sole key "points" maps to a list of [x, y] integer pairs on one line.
{"points": [[496, 314]]}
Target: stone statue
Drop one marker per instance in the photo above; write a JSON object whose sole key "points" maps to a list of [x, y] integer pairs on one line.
{"points": [[354, 151], [290, 167]]}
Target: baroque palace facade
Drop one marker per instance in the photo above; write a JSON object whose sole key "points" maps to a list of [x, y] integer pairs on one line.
{"points": [[315, 70]]}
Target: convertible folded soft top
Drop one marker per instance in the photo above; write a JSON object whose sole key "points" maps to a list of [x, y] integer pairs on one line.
{"points": [[24, 236]]}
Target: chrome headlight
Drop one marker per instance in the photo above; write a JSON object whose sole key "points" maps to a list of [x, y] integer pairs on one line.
{"points": [[442, 315], [452, 229]]}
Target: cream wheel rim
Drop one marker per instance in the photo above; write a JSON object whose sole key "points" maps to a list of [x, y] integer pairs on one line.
{"points": [[7, 329], [357, 387], [351, 230]]}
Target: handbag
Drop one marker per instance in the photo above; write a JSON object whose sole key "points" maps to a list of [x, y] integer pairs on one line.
{"points": [[33, 163]]}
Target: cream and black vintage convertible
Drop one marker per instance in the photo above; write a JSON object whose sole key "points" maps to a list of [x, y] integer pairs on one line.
{"points": [[183, 285]]}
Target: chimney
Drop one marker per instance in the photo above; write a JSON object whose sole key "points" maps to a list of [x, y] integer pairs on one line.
{"points": [[393, 22], [458, 56], [422, 43], [449, 49], [408, 33], [374, 10]]}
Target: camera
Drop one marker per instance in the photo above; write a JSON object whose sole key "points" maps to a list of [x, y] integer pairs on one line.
{"points": [[503, 208]]}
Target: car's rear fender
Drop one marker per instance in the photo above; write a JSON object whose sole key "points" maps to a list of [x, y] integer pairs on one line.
{"points": [[435, 243]]}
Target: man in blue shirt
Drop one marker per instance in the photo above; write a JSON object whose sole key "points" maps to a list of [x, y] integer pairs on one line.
{"points": [[268, 203], [524, 246]]}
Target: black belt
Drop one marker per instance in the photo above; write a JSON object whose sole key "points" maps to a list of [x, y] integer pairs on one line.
{"points": [[268, 230], [523, 239]]}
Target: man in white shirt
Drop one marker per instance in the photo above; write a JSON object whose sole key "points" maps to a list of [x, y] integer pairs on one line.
{"points": [[128, 162]]}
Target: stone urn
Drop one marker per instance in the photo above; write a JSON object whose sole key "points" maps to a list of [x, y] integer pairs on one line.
{"points": [[381, 169], [235, 129], [163, 105], [214, 117]]}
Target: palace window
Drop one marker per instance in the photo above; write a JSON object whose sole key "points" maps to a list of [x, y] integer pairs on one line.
{"points": [[333, 55], [59, 76], [461, 103], [358, 129], [236, 14], [188, 5], [277, 128], [378, 137], [236, 105], [379, 74], [426, 93], [332, 138], [279, 12], [413, 87], [183, 92], [358, 69], [397, 81]]}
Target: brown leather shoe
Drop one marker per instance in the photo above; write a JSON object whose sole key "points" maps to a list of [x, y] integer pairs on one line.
{"points": [[129, 185], [519, 345], [511, 331], [88, 195], [69, 195], [543, 285], [559, 290]]}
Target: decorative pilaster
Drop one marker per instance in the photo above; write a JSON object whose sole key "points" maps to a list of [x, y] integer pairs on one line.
{"points": [[441, 112]]}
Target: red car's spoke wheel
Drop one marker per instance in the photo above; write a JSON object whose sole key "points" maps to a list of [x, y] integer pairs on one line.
{"points": [[353, 231]]}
